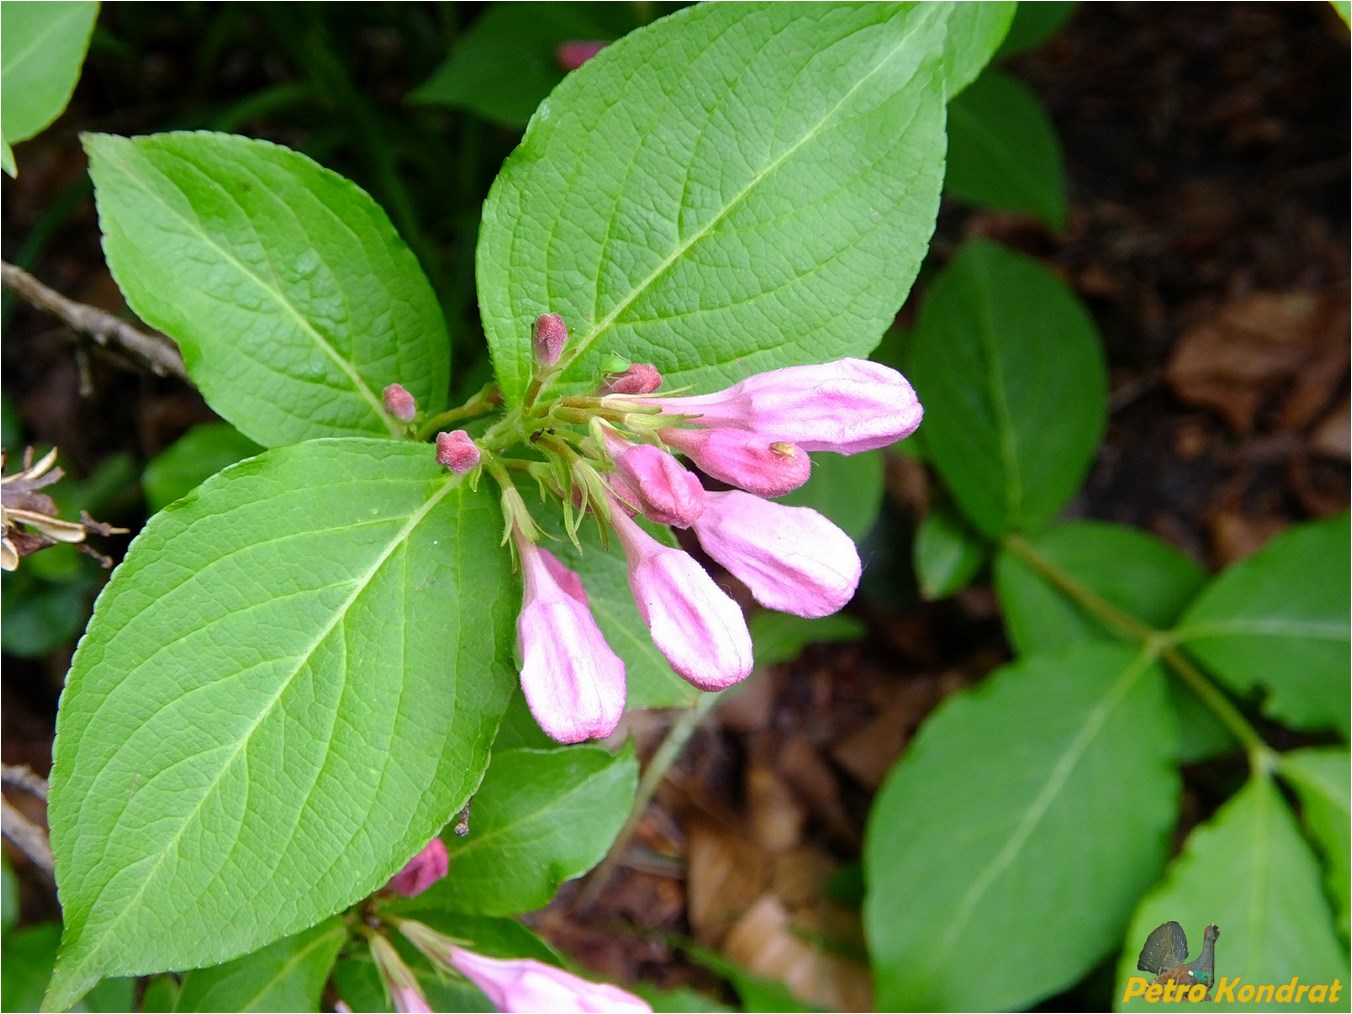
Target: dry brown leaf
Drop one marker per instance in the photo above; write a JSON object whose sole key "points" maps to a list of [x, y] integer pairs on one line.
{"points": [[726, 874]]}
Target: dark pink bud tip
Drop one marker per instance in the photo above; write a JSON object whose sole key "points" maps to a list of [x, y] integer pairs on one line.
{"points": [[551, 334], [640, 378], [422, 871], [457, 452], [399, 403], [575, 52]]}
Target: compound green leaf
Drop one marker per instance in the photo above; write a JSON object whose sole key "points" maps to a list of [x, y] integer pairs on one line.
{"points": [[977, 857], [1003, 151], [541, 817], [1248, 871], [1009, 367], [1321, 780], [293, 299], [287, 688], [846, 489], [42, 46], [286, 975], [1126, 568], [733, 188], [505, 64], [1277, 623]]}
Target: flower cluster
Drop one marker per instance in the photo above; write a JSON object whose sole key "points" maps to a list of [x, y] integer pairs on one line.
{"points": [[519, 984], [613, 455]]}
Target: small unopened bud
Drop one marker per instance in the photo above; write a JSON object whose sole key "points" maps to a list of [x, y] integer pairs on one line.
{"points": [[575, 52], [551, 334], [457, 452], [640, 378], [399, 403]]}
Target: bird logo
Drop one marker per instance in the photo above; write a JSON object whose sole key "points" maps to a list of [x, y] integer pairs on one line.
{"points": [[1165, 956]]}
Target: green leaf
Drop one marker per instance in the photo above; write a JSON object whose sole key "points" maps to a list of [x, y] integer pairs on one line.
{"points": [[9, 895], [1248, 871], [293, 299], [541, 817], [42, 47], [985, 889], [975, 32], [1003, 151], [1344, 9], [1010, 370], [160, 995], [734, 188], [605, 575], [848, 490], [287, 975], [28, 957], [504, 65], [1124, 567], [192, 459], [1321, 780], [1277, 623], [681, 1000], [1035, 23], [948, 553], [287, 688], [779, 637]]}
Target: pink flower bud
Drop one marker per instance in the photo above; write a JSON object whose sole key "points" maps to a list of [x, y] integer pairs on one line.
{"points": [[699, 629], [575, 52], [457, 451], [847, 406], [573, 682], [524, 984], [399, 403], [422, 871], [639, 378], [655, 483], [791, 558], [551, 335], [743, 459], [399, 980]]}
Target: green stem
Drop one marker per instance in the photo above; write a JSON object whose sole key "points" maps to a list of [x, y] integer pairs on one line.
{"points": [[667, 754], [479, 405], [1160, 643]]}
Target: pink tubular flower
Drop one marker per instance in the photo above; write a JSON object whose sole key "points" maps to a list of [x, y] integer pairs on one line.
{"points": [[847, 406], [422, 871], [749, 461], [639, 378], [699, 629], [400, 982], [573, 682], [521, 984], [399, 403], [656, 484], [791, 558], [457, 451]]}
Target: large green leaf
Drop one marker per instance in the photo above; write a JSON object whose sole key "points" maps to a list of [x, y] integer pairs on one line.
{"points": [[1277, 623], [1248, 871], [42, 46], [1140, 575], [1009, 367], [287, 688], [734, 188], [1010, 844], [541, 817], [1003, 151], [975, 32], [1321, 780], [286, 975], [505, 64], [293, 299]]}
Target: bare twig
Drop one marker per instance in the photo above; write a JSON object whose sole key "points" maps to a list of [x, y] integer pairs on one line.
{"points": [[22, 777], [156, 352], [27, 837]]}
